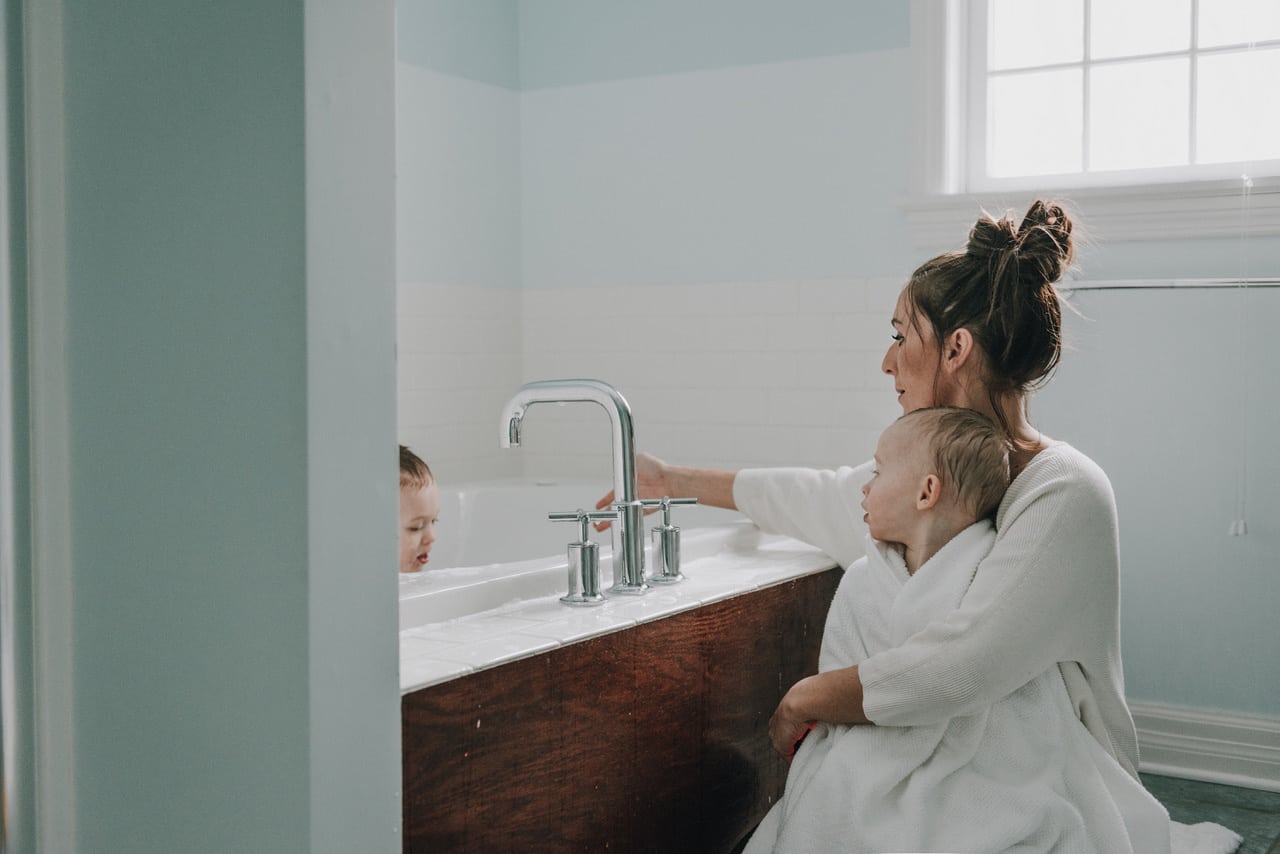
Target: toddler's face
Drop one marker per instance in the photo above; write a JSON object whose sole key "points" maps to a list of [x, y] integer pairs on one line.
{"points": [[889, 498], [419, 507]]}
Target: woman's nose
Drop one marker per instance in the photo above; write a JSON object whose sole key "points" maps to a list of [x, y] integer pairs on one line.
{"points": [[889, 363]]}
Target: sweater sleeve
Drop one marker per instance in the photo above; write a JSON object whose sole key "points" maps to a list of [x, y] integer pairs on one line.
{"points": [[1048, 592], [821, 507]]}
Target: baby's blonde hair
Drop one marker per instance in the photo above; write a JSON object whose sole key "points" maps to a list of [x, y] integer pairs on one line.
{"points": [[413, 471], [969, 453]]}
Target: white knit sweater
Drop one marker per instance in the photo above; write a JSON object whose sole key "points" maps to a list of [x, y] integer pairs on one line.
{"points": [[1047, 594]]}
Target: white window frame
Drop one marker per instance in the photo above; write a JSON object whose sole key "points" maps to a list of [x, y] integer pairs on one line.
{"points": [[940, 206]]}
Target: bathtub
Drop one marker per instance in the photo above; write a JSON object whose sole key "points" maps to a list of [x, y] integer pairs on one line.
{"points": [[490, 594]]}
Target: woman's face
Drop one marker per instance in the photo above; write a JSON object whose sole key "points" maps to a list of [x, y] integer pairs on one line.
{"points": [[912, 358]]}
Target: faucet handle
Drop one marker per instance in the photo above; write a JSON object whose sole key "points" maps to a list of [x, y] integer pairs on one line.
{"points": [[665, 503], [584, 559], [666, 542], [584, 519]]}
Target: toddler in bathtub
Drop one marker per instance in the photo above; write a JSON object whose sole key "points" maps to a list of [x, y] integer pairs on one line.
{"points": [[1020, 774], [419, 507]]}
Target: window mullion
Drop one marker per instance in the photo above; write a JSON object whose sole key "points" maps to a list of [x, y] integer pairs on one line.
{"points": [[976, 125], [1086, 67], [1193, 106]]}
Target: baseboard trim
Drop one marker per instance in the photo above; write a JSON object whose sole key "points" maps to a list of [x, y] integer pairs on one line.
{"points": [[1209, 745]]}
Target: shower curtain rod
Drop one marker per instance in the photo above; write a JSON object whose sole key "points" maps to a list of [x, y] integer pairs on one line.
{"points": [[1164, 284]]}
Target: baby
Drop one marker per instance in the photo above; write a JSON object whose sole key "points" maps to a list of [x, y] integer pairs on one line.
{"points": [[419, 507], [1021, 774]]}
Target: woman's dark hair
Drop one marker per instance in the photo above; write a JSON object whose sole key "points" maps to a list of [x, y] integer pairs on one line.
{"points": [[1001, 288]]}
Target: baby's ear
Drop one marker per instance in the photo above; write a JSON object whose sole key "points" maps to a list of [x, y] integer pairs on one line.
{"points": [[930, 492]]}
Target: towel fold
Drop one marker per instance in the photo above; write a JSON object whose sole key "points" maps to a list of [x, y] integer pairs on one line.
{"points": [[1203, 838]]}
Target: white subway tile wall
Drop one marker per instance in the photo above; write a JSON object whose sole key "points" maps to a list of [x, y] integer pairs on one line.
{"points": [[717, 374]]}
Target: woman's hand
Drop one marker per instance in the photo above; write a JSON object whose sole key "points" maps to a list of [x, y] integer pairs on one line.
{"points": [[788, 726], [652, 481], [834, 696]]}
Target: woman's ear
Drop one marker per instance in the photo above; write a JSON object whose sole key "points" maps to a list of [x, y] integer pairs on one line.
{"points": [[930, 492], [957, 350]]}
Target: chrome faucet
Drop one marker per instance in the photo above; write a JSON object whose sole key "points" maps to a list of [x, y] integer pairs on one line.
{"points": [[629, 569]]}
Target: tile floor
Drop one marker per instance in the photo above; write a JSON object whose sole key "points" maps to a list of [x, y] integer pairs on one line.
{"points": [[1253, 814]]}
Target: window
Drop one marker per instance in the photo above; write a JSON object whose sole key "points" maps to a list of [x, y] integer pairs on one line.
{"points": [[1159, 114], [1122, 91]]}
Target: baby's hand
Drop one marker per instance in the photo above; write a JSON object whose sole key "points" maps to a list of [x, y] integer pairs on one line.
{"points": [[799, 741]]}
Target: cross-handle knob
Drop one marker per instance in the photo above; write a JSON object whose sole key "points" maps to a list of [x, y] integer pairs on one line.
{"points": [[666, 542], [584, 519], [584, 558]]}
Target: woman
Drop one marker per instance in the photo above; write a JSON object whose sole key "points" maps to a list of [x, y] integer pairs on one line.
{"points": [[980, 328]]}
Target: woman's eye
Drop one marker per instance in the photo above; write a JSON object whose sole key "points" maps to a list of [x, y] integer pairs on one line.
{"points": [[898, 337]]}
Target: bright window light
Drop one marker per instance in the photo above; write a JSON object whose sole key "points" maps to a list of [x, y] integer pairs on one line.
{"points": [[1138, 114], [1098, 92], [1235, 22], [1232, 123], [1138, 27], [1027, 33], [1020, 107]]}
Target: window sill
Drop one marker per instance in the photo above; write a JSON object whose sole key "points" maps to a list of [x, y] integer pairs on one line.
{"points": [[1157, 212]]}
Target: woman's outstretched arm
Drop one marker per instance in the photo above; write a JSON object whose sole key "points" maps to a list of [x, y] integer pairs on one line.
{"points": [[657, 479]]}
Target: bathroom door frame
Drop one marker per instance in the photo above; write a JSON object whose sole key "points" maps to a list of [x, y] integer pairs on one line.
{"points": [[45, 743]]}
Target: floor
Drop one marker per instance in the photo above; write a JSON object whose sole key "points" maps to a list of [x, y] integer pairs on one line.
{"points": [[1253, 814]]}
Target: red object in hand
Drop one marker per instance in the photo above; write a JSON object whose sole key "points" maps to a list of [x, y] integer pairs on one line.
{"points": [[808, 729]]}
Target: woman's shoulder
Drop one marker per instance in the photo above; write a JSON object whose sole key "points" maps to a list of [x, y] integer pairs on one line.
{"points": [[1060, 472], [1063, 462]]}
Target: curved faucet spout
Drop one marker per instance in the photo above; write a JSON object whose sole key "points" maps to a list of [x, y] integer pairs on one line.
{"points": [[572, 391], [631, 515]]}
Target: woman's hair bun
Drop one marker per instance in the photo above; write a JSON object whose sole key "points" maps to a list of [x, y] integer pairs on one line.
{"points": [[990, 236], [1043, 239]]}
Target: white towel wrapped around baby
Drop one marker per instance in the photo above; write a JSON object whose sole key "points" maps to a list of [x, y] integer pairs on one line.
{"points": [[1023, 774]]}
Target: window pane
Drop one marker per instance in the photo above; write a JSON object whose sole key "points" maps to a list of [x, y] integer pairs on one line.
{"points": [[1139, 114], [1033, 123], [1238, 21], [1236, 116], [1137, 27], [1024, 33]]}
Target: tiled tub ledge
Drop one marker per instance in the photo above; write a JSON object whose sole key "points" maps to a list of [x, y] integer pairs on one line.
{"points": [[718, 563]]}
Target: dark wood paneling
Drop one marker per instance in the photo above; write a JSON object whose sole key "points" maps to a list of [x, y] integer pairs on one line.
{"points": [[650, 739]]}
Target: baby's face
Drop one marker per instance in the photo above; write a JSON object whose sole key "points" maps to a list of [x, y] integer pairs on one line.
{"points": [[889, 498], [419, 507]]}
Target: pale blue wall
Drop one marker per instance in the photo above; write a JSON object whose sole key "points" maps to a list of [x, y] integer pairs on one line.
{"points": [[1173, 393], [457, 143], [194, 405], [476, 40], [570, 42], [743, 174]]}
